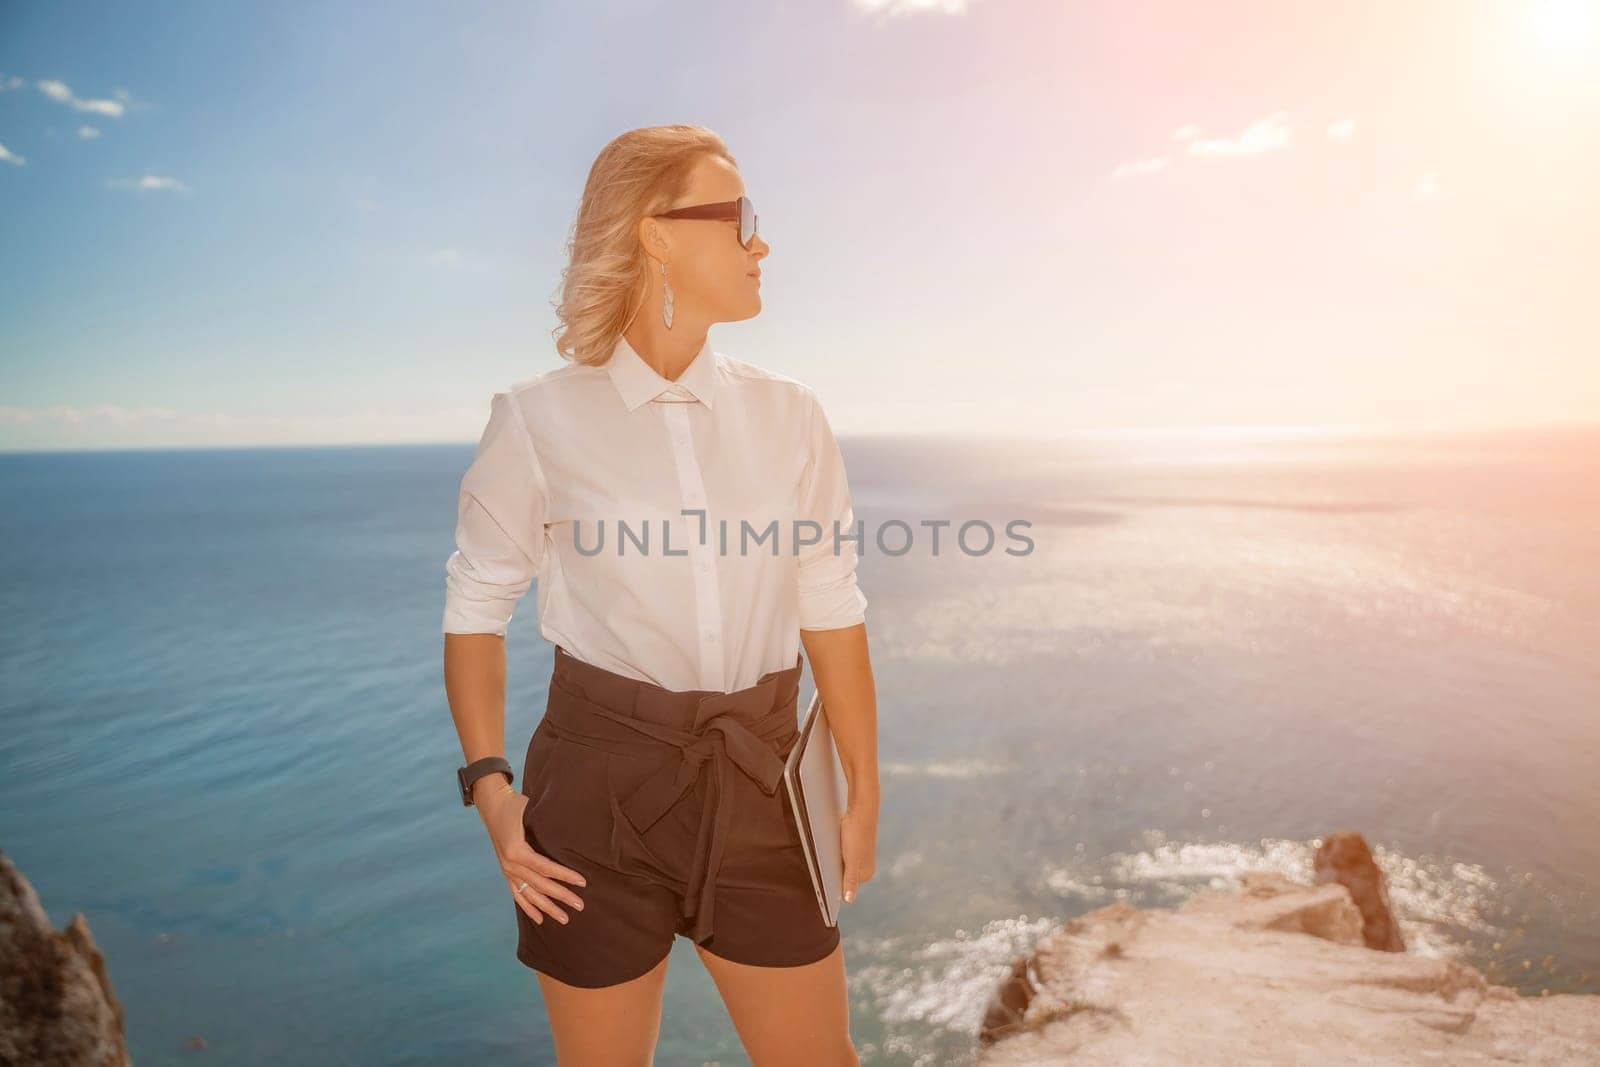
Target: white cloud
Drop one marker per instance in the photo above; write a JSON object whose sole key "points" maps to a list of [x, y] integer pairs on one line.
{"points": [[1141, 166], [58, 91], [446, 257], [1268, 134], [897, 8], [1264, 135], [149, 181], [75, 416], [8, 156], [1427, 186], [88, 132]]}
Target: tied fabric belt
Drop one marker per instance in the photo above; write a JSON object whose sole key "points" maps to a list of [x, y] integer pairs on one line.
{"points": [[731, 731]]}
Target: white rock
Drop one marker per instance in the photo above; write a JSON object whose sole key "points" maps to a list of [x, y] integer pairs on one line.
{"points": [[1273, 974]]}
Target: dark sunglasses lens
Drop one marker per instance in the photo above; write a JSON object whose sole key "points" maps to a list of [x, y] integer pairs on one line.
{"points": [[747, 220]]}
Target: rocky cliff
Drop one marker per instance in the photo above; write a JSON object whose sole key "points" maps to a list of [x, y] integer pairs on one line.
{"points": [[1275, 973], [56, 1002]]}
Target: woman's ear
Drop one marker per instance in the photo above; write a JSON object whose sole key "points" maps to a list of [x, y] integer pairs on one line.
{"points": [[653, 240]]}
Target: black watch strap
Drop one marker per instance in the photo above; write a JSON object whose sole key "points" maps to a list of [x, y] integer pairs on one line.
{"points": [[477, 769]]}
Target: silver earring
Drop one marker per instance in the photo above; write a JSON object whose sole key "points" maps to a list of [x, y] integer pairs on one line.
{"points": [[666, 297]]}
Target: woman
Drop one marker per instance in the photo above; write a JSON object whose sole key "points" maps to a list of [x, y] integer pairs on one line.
{"points": [[641, 484]]}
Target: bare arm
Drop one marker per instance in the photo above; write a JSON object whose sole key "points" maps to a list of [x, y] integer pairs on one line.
{"points": [[842, 668], [475, 686]]}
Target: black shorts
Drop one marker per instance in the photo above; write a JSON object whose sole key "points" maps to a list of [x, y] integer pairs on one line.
{"points": [[671, 804]]}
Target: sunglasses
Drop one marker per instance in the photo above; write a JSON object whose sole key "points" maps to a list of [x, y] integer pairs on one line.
{"points": [[726, 211]]}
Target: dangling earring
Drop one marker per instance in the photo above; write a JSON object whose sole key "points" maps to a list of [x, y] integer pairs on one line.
{"points": [[666, 296]]}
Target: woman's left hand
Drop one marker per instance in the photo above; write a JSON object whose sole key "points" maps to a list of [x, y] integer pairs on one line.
{"points": [[858, 839]]}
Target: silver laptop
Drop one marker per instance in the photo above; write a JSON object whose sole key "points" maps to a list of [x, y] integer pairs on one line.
{"points": [[814, 777]]}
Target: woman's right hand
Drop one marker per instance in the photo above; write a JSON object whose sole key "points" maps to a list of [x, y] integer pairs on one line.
{"points": [[520, 863]]}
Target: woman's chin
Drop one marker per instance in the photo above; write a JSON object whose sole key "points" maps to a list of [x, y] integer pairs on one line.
{"points": [[748, 309]]}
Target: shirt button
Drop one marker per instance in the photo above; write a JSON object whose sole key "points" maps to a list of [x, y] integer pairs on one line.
{"points": [[712, 638]]}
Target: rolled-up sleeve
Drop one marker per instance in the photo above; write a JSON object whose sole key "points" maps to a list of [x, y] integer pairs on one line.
{"points": [[829, 596], [499, 526]]}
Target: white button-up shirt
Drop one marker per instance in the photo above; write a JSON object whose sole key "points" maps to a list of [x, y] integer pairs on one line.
{"points": [[718, 503]]}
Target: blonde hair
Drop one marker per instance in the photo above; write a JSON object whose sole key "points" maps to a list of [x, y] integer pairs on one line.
{"points": [[640, 173]]}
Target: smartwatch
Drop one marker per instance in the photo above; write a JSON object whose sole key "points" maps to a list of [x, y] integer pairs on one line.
{"points": [[477, 769]]}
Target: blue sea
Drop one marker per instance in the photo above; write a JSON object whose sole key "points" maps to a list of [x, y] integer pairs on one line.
{"points": [[224, 737]]}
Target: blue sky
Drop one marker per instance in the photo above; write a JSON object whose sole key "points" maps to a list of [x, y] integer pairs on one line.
{"points": [[322, 223]]}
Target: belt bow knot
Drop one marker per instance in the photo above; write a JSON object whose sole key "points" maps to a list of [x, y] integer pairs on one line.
{"points": [[721, 742]]}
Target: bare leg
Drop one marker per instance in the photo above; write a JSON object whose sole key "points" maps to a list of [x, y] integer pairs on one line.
{"points": [[788, 1015], [613, 1026]]}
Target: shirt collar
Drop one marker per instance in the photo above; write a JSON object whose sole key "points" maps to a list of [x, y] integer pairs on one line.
{"points": [[638, 382]]}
